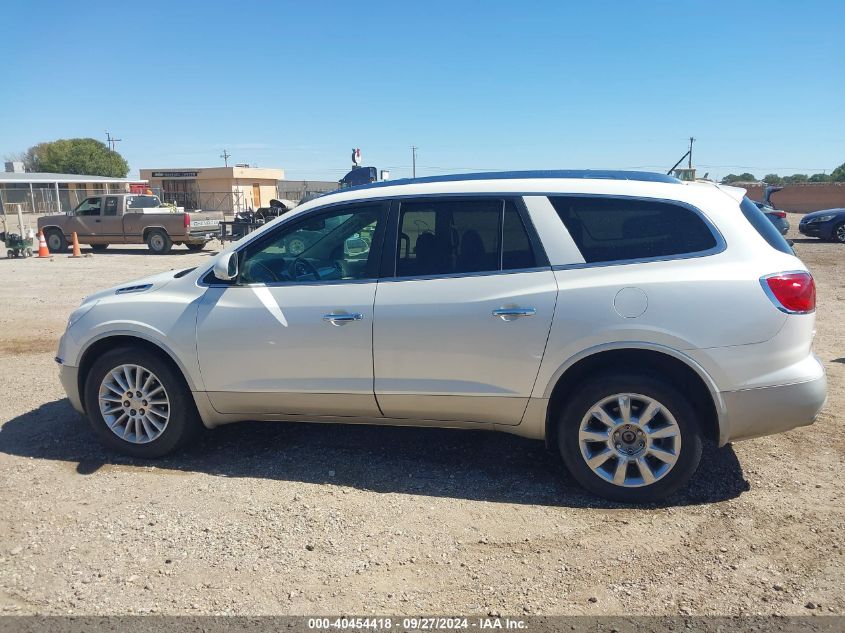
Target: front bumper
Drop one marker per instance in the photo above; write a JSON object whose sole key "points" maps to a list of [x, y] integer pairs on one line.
{"points": [[814, 229], [762, 411], [69, 377]]}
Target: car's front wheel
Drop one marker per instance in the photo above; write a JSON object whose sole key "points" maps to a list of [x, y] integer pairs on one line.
{"points": [[139, 404], [56, 242], [629, 438]]}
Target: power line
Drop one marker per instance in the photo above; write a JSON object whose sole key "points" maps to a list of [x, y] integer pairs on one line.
{"points": [[225, 156], [111, 141]]}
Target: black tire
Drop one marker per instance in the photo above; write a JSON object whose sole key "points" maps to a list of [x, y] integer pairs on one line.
{"points": [[195, 247], [602, 386], [183, 423], [99, 248], [56, 242], [838, 233], [159, 242]]}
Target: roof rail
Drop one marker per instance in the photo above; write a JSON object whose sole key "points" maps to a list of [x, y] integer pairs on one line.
{"points": [[601, 174]]}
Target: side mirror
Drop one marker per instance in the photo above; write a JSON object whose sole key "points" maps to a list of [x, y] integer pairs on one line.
{"points": [[226, 266]]}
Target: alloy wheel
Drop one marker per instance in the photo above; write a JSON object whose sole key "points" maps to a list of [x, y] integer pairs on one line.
{"points": [[134, 404], [629, 440]]}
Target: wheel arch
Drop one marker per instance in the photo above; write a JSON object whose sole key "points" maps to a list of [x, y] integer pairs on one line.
{"points": [[149, 229], [663, 362], [52, 227], [97, 347]]}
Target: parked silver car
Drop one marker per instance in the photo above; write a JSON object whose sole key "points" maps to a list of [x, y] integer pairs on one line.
{"points": [[621, 317]]}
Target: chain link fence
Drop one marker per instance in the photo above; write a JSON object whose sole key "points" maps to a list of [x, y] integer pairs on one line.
{"points": [[45, 200]]}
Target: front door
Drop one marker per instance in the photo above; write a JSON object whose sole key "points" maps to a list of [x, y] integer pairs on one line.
{"points": [[293, 335], [461, 327], [85, 220]]}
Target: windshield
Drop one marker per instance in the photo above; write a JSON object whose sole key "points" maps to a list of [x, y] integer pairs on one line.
{"points": [[142, 202]]}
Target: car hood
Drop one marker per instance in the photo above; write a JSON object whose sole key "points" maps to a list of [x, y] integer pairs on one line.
{"points": [[144, 284], [816, 214]]}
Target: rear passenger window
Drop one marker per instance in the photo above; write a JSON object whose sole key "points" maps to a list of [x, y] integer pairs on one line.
{"points": [[618, 229], [444, 237], [516, 246]]}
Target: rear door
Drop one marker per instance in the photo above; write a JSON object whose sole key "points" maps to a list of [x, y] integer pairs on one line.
{"points": [[462, 312]]}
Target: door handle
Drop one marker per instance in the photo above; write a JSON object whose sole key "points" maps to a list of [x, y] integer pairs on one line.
{"points": [[342, 318], [510, 314]]}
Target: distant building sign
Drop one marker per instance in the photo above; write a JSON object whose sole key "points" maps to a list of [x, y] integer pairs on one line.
{"points": [[174, 174]]}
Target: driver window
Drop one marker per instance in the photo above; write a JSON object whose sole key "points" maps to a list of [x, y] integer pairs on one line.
{"points": [[332, 246], [91, 206]]}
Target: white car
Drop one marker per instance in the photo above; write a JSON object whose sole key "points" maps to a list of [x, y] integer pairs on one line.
{"points": [[622, 317]]}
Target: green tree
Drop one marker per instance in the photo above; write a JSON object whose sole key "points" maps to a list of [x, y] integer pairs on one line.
{"points": [[838, 174], [820, 178], [76, 156], [795, 178], [773, 179], [743, 177]]}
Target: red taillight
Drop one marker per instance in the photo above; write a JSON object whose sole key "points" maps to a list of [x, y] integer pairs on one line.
{"points": [[187, 220], [779, 214], [794, 293]]}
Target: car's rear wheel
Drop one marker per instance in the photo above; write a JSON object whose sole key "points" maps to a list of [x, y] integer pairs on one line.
{"points": [[195, 247], [139, 404], [839, 233], [630, 438], [56, 242], [159, 242]]}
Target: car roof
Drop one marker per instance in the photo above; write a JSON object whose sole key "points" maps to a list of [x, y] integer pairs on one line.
{"points": [[579, 174]]}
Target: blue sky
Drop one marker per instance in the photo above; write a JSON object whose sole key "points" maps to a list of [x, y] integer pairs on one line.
{"points": [[475, 85]]}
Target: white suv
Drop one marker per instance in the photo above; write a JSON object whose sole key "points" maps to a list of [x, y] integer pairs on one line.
{"points": [[623, 317]]}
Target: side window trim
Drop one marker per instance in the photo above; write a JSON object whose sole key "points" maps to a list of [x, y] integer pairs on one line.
{"points": [[719, 247], [209, 280], [389, 262]]}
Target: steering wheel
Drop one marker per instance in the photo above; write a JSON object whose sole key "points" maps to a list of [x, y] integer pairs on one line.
{"points": [[259, 272], [302, 267]]}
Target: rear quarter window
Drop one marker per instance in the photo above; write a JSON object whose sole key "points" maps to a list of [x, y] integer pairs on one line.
{"points": [[764, 226], [621, 229]]}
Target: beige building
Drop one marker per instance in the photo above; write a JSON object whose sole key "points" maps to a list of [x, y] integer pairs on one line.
{"points": [[227, 189]]}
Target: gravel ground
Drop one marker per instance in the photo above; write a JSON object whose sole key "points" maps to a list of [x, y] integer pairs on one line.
{"points": [[274, 518]]}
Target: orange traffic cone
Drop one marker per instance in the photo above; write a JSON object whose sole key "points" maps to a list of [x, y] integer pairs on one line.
{"points": [[76, 251], [43, 251]]}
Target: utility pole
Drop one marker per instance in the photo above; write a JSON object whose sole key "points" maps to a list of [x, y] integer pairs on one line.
{"points": [[691, 141], [111, 141], [225, 156], [413, 161]]}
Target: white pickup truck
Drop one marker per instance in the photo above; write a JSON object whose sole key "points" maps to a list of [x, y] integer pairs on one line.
{"points": [[129, 218]]}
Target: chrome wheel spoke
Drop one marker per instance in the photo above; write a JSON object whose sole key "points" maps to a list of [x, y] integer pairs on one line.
{"points": [[663, 433], [648, 414], [645, 471], [599, 459], [602, 416], [667, 457], [621, 471], [625, 409], [594, 436], [134, 404]]}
